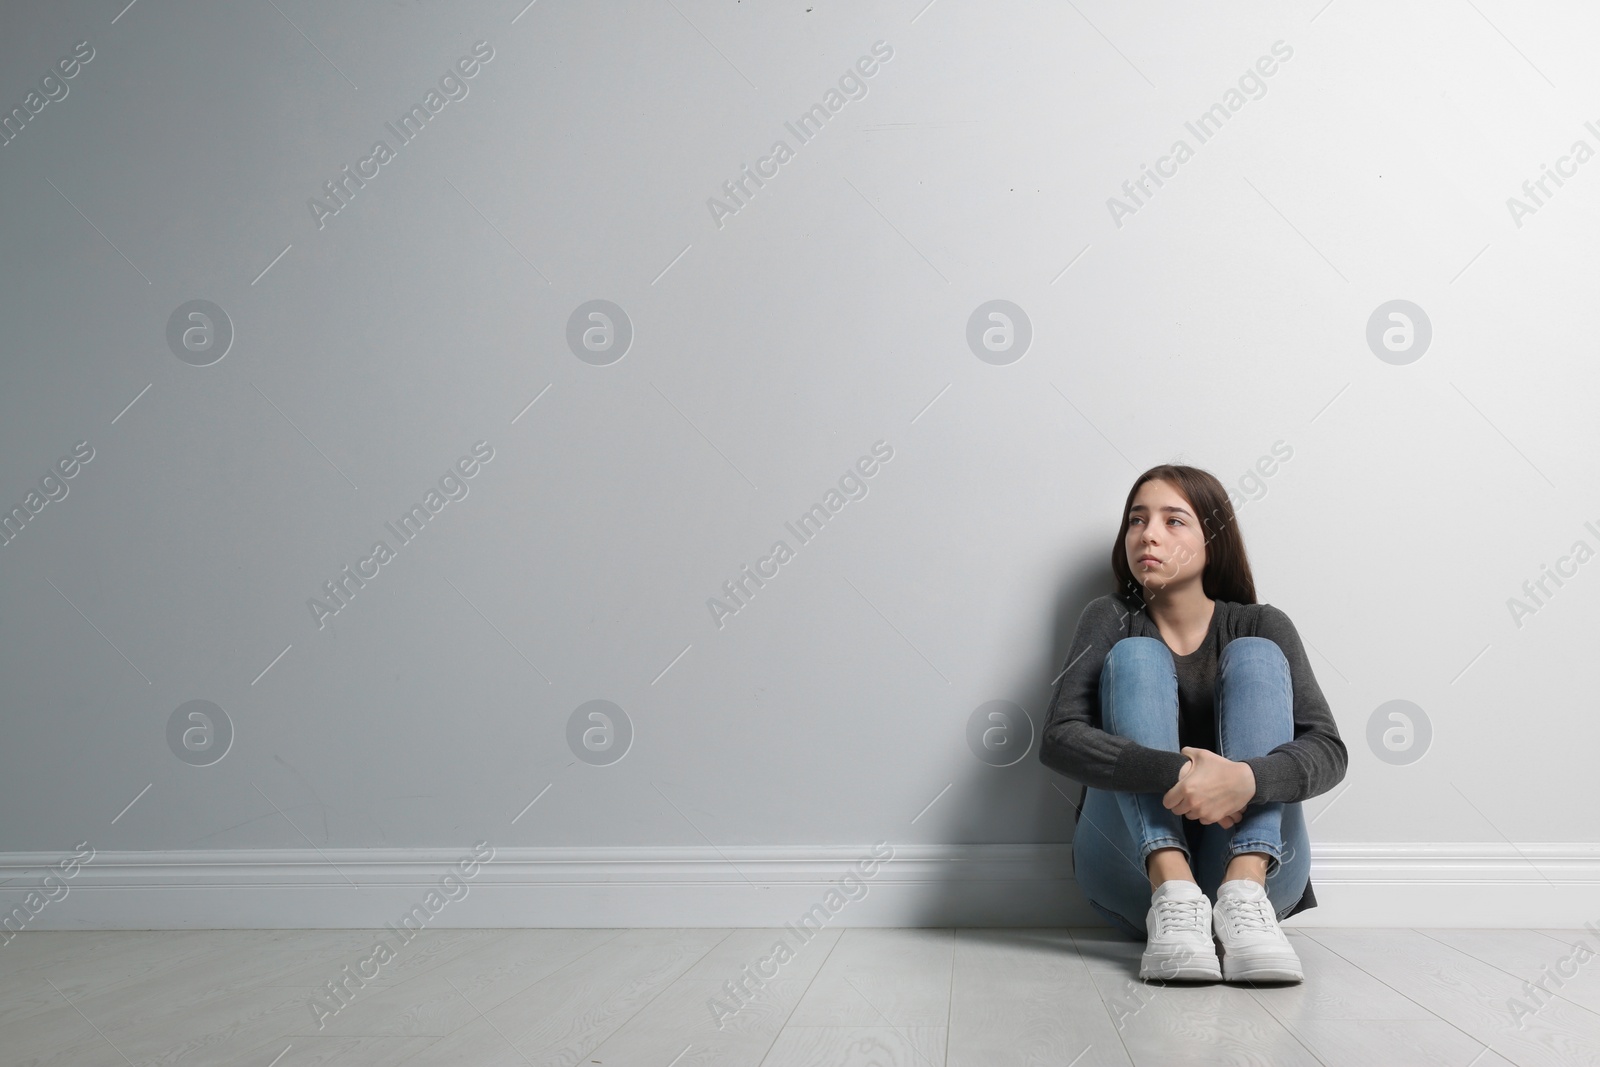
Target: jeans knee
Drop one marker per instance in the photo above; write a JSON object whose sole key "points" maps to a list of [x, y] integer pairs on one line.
{"points": [[1259, 656], [1140, 650], [1255, 650], [1143, 665]]}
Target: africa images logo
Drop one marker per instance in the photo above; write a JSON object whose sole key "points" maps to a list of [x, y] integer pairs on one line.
{"points": [[453, 485], [453, 84]]}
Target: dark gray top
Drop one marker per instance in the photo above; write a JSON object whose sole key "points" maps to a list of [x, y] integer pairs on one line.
{"points": [[1197, 692], [1074, 744]]}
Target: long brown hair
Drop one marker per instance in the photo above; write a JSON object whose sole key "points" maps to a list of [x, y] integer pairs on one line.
{"points": [[1227, 574]]}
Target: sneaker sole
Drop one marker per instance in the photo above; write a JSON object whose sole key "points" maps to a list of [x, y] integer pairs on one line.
{"points": [[1179, 964], [1274, 968]]}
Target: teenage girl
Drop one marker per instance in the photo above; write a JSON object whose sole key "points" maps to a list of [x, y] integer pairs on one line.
{"points": [[1191, 715]]}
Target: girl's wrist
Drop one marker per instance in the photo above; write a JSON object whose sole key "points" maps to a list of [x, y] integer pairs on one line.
{"points": [[1248, 776]]}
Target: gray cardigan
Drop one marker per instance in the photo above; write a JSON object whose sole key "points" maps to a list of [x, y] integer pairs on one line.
{"points": [[1073, 743]]}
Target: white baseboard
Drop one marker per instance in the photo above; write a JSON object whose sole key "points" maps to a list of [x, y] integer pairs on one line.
{"points": [[1477, 884]]}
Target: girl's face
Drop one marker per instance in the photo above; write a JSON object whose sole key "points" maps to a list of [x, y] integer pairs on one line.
{"points": [[1165, 544]]}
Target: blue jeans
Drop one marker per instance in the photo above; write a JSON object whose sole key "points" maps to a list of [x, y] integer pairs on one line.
{"points": [[1116, 832]]}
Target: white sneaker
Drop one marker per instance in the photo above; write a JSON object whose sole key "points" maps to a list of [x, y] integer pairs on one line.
{"points": [[1179, 928], [1254, 948]]}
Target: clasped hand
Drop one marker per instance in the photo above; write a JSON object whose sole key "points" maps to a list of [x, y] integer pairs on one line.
{"points": [[1211, 788]]}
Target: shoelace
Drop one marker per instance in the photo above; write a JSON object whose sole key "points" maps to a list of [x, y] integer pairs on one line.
{"points": [[1248, 915], [1179, 914]]}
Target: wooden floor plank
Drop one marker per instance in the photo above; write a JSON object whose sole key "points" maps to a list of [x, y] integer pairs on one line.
{"points": [[882, 977], [343, 1050], [1478, 999], [1024, 996], [121, 961], [1551, 968], [1198, 1023], [858, 1046], [564, 1016], [1334, 989], [695, 998], [687, 1026], [452, 993], [1365, 1042], [745, 947]]}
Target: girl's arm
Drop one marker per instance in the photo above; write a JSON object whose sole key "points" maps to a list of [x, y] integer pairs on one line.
{"points": [[1316, 759], [1073, 743]]}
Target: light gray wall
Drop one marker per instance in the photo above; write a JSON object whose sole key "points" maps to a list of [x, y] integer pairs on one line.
{"points": [[1226, 316]]}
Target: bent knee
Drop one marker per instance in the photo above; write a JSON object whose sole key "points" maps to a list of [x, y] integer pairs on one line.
{"points": [[1130, 648], [1254, 650]]}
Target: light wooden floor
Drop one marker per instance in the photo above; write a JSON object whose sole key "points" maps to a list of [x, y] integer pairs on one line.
{"points": [[620, 998]]}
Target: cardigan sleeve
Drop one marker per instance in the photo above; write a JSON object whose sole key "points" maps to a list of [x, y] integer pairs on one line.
{"points": [[1315, 760], [1073, 742]]}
